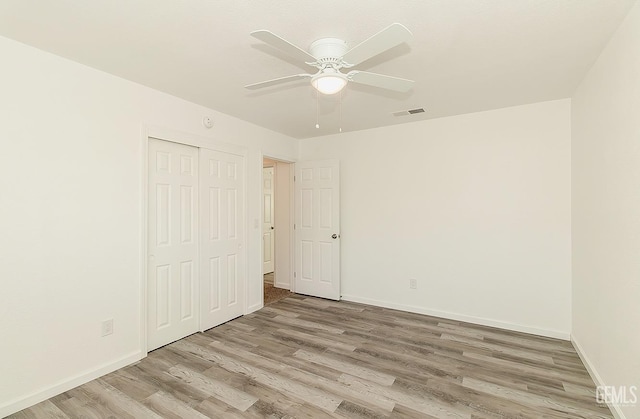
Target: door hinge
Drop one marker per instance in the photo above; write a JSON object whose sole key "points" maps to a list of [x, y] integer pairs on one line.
{"points": [[294, 178], [294, 274], [294, 226]]}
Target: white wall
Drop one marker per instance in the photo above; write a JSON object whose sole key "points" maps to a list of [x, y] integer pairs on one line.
{"points": [[475, 207], [606, 212], [70, 176], [283, 223]]}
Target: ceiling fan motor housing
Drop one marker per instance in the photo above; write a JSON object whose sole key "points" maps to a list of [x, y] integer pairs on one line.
{"points": [[329, 51]]}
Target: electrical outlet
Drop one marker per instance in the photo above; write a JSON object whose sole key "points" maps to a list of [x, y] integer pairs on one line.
{"points": [[107, 327], [413, 283]]}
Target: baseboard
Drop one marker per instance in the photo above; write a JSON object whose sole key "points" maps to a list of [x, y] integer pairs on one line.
{"points": [[617, 413], [254, 307], [461, 317], [284, 285], [44, 394]]}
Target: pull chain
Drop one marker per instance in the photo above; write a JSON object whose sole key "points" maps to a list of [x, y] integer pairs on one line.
{"points": [[340, 124], [317, 121]]}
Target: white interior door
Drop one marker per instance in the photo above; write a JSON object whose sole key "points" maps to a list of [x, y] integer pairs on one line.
{"points": [[268, 224], [317, 228], [172, 242], [222, 261]]}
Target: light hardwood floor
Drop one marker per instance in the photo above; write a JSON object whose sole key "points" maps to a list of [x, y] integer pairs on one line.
{"points": [[305, 357]]}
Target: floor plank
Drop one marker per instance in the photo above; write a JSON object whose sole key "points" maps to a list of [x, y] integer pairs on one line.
{"points": [[304, 357]]}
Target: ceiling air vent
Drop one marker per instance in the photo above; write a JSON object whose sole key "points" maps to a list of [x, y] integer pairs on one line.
{"points": [[408, 112]]}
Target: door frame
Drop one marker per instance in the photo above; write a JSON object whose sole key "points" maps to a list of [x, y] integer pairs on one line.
{"points": [[291, 219], [273, 221], [174, 136]]}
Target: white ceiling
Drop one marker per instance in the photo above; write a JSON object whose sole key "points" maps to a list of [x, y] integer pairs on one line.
{"points": [[466, 55]]}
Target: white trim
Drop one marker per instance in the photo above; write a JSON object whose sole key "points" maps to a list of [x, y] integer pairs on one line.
{"points": [[277, 157], [255, 307], [292, 217], [244, 152], [274, 186], [461, 317], [260, 227], [144, 214], [194, 140], [617, 412], [62, 386], [292, 171], [292, 220]]}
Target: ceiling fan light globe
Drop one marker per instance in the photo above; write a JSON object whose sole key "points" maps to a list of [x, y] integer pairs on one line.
{"points": [[329, 84]]}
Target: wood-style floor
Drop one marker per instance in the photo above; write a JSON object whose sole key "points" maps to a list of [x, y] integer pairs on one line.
{"points": [[305, 357]]}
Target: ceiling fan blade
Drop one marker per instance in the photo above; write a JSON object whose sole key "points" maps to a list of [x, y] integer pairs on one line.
{"points": [[275, 82], [380, 80], [275, 41], [393, 35]]}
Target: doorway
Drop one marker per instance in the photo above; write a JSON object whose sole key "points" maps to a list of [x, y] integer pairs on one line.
{"points": [[277, 229]]}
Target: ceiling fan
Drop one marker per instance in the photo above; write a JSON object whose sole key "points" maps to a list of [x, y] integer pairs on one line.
{"points": [[330, 55]]}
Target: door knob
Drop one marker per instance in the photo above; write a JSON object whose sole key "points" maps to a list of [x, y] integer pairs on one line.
{"points": [[271, 227], [334, 236]]}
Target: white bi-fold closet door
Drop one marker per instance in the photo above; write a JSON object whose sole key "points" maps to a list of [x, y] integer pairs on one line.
{"points": [[195, 275], [172, 294], [222, 263]]}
